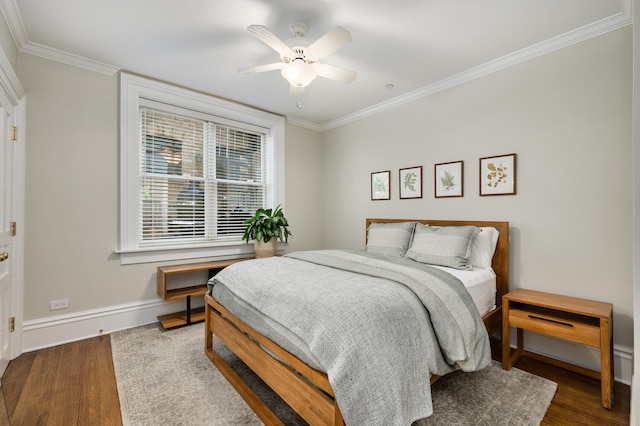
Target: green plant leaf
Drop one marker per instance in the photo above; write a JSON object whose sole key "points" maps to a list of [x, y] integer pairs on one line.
{"points": [[266, 224]]}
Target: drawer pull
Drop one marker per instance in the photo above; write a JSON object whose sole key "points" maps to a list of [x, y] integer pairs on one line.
{"points": [[551, 320]]}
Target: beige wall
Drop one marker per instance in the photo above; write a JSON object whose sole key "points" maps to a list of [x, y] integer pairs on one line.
{"points": [[71, 207], [304, 186], [567, 115], [71, 199]]}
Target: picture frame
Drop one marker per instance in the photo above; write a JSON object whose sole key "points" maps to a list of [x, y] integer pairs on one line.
{"points": [[449, 179], [498, 175], [410, 182], [380, 189]]}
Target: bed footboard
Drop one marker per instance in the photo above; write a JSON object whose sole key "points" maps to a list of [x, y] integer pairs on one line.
{"points": [[304, 389]]}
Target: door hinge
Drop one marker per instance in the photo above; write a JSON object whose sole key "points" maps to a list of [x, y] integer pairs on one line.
{"points": [[12, 229], [12, 324], [14, 133]]}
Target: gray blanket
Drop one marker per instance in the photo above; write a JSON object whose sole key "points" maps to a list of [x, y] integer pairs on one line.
{"points": [[378, 326]]}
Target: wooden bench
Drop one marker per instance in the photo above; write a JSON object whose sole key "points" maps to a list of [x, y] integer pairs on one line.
{"points": [[188, 316]]}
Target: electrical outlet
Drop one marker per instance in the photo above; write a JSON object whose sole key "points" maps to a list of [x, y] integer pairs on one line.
{"points": [[58, 304]]}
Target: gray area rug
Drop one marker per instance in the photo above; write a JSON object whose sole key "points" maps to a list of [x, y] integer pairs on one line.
{"points": [[164, 378]]}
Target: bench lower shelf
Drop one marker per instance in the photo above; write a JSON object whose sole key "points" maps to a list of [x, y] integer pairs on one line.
{"points": [[178, 319]]}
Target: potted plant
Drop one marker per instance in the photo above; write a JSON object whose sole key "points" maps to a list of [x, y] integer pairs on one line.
{"points": [[266, 227]]}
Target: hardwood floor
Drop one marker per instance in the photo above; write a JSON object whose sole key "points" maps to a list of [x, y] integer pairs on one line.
{"points": [[74, 384], [577, 401], [71, 384]]}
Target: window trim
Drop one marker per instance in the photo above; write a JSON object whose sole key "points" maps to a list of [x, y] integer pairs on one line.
{"points": [[132, 89]]}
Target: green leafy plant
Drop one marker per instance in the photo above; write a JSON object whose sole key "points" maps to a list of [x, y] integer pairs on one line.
{"points": [[267, 224]]}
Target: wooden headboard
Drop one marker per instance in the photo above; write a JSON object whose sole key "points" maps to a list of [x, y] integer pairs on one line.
{"points": [[500, 262]]}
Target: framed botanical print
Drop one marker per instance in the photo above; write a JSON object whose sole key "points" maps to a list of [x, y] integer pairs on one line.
{"points": [[449, 179], [380, 185], [410, 180], [498, 175]]}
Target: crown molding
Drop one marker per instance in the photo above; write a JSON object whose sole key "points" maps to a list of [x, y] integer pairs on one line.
{"points": [[11, 15], [305, 123], [611, 23], [69, 58]]}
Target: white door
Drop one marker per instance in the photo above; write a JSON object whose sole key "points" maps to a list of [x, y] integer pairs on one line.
{"points": [[7, 152]]}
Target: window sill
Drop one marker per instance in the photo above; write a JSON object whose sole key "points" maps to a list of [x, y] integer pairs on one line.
{"points": [[165, 254]]}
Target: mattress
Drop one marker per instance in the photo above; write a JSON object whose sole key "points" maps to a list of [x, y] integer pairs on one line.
{"points": [[481, 285]]}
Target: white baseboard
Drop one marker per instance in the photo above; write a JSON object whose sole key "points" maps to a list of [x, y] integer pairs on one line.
{"points": [[581, 355], [52, 331], [60, 329]]}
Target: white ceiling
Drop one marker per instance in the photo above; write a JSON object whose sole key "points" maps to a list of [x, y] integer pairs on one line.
{"points": [[419, 46]]}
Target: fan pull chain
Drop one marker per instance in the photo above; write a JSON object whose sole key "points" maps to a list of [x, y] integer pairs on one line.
{"points": [[299, 103]]}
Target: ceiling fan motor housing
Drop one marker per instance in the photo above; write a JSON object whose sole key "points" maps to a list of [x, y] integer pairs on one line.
{"points": [[299, 53]]}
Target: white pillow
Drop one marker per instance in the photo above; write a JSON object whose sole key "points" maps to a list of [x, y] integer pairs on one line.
{"points": [[483, 248]]}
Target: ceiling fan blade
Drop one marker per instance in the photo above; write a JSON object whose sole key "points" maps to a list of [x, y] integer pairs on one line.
{"points": [[329, 43], [270, 39], [334, 73], [262, 68]]}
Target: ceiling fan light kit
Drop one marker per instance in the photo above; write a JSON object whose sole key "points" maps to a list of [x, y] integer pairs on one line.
{"points": [[299, 73], [300, 64]]}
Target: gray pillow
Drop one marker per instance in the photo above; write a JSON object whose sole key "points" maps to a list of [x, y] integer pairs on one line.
{"points": [[389, 238], [445, 246]]}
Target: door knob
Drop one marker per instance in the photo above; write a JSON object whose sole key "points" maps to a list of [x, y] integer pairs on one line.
{"points": [[4, 256]]}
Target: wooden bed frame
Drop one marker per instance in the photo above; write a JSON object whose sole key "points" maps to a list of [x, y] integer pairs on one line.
{"points": [[306, 390]]}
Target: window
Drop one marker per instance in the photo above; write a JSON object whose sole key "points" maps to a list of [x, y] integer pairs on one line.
{"points": [[193, 168]]}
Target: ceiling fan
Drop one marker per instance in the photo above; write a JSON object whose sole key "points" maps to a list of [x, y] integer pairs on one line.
{"points": [[299, 59]]}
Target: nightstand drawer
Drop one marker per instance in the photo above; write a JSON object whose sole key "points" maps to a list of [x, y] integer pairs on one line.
{"points": [[575, 328]]}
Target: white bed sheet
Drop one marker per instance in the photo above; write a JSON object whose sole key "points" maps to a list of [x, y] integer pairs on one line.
{"points": [[481, 284]]}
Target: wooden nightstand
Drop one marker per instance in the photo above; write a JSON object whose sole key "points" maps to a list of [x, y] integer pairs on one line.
{"points": [[569, 318]]}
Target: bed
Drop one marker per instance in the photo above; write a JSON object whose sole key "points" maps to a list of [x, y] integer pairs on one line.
{"points": [[294, 373]]}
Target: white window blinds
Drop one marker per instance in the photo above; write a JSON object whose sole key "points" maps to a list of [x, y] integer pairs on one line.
{"points": [[200, 178], [192, 168]]}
